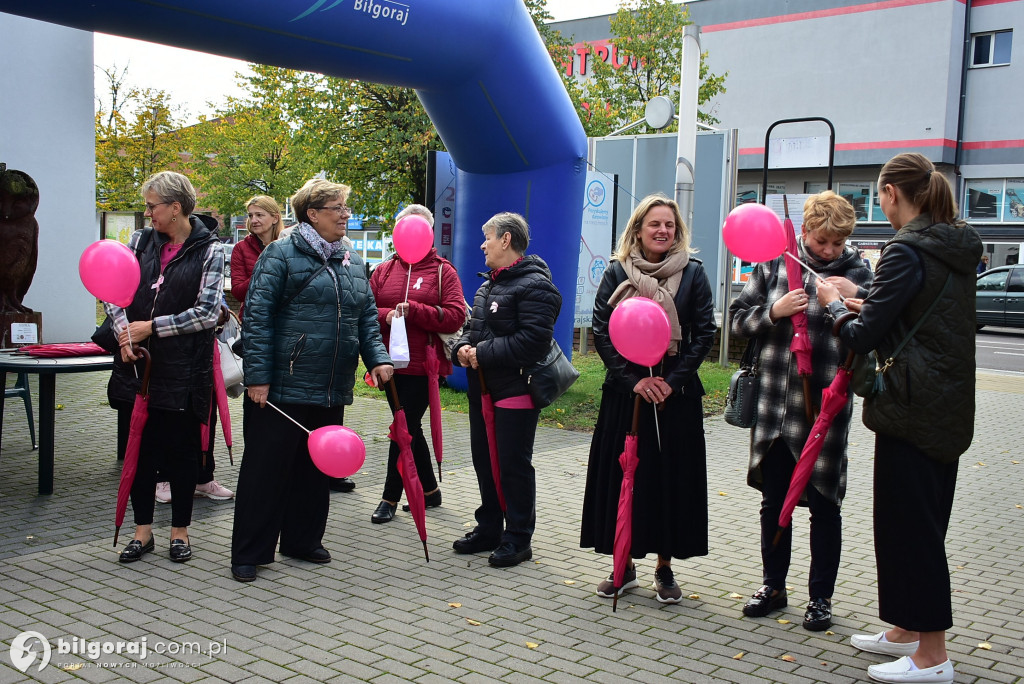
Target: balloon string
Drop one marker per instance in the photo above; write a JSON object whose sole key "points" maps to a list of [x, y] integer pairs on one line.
{"points": [[657, 428], [288, 417], [811, 271], [407, 279]]}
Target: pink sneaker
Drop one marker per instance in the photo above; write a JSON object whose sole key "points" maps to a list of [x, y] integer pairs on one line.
{"points": [[163, 492], [214, 490]]}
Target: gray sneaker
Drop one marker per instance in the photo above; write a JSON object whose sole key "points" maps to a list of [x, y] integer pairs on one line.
{"points": [[606, 589], [665, 585]]}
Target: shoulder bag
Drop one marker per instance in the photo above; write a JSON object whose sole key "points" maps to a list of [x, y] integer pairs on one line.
{"points": [[744, 388], [448, 340], [549, 378]]}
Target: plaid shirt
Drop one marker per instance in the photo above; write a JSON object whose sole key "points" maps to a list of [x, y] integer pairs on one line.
{"points": [[199, 317], [780, 405]]}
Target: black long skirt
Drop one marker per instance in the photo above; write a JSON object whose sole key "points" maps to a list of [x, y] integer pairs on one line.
{"points": [[670, 494]]}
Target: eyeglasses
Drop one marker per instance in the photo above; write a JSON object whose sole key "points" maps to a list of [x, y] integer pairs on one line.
{"points": [[337, 208], [151, 207]]}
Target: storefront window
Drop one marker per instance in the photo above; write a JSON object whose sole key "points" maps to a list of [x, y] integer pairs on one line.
{"points": [[859, 195]]}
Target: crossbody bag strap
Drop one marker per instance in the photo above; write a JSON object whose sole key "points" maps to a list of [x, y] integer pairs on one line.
{"points": [[302, 287], [917, 326]]}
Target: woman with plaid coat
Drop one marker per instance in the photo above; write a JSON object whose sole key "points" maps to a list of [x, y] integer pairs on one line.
{"points": [[763, 310]]}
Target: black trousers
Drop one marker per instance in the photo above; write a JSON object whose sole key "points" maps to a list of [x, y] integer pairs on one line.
{"points": [[170, 443], [913, 503], [516, 430], [415, 398], [280, 493], [205, 462], [826, 527]]}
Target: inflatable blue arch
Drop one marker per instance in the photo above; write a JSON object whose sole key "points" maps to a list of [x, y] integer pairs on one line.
{"points": [[480, 69]]}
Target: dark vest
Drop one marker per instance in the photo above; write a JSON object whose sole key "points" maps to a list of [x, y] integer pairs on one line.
{"points": [[929, 397], [182, 371]]}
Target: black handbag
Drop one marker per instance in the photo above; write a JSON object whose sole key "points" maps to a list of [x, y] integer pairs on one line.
{"points": [[549, 378], [744, 388]]}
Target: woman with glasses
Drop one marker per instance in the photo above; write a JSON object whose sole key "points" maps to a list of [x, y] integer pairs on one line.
{"points": [[309, 316], [173, 315]]}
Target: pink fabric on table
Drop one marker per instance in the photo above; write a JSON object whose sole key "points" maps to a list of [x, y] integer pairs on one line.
{"points": [[523, 401]]}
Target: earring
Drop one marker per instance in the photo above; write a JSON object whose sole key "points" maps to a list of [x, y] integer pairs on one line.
{"points": [[173, 219]]}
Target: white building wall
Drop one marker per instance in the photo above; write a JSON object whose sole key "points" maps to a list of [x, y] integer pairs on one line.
{"points": [[47, 131]]}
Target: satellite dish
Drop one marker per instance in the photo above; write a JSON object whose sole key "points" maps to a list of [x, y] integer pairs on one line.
{"points": [[659, 112]]}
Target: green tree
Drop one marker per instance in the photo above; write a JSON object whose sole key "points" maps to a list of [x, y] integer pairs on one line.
{"points": [[647, 42], [251, 146], [134, 138]]}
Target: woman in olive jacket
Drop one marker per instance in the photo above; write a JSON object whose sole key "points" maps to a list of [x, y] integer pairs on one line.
{"points": [[309, 316], [513, 322], [924, 419]]}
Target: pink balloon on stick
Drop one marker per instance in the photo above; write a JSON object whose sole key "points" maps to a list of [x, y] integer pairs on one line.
{"points": [[640, 330], [110, 271], [413, 238], [754, 233], [336, 450]]}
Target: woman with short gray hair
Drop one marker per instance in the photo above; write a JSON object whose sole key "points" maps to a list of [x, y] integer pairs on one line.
{"points": [[514, 314]]}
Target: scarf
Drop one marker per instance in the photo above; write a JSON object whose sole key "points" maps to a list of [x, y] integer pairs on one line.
{"points": [[658, 281], [324, 248]]}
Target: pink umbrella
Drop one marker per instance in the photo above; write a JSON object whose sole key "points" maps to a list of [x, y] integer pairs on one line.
{"points": [[399, 434], [60, 349], [801, 343], [487, 409], [221, 393], [433, 366], [624, 518], [140, 414], [833, 400]]}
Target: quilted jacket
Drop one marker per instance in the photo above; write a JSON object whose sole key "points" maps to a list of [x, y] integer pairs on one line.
{"points": [[307, 322], [514, 314], [929, 396]]}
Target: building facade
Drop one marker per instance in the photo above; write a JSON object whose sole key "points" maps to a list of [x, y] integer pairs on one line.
{"points": [[931, 76]]}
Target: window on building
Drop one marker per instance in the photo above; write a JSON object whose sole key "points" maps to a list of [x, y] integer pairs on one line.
{"points": [[991, 49], [859, 195], [994, 200]]}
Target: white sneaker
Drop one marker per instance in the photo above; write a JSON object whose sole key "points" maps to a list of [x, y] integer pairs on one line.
{"points": [[214, 490], [900, 671], [877, 643], [163, 492]]}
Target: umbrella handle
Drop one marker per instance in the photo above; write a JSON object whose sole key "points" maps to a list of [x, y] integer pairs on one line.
{"points": [[394, 393], [483, 385], [848, 363], [636, 414], [144, 353]]}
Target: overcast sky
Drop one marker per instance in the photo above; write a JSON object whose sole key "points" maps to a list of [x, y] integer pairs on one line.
{"points": [[175, 71]]}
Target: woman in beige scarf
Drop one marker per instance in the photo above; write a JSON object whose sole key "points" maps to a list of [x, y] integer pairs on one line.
{"points": [[670, 494]]}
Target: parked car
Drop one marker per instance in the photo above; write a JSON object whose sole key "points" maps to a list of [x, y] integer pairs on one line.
{"points": [[1000, 299], [228, 246]]}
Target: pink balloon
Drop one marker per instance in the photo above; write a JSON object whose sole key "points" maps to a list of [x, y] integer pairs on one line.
{"points": [[413, 238], [110, 271], [337, 451], [754, 233], [640, 330]]}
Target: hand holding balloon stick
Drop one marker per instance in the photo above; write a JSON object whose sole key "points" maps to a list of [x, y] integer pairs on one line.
{"points": [[640, 331]]}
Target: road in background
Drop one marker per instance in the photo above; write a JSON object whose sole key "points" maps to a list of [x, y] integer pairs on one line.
{"points": [[1000, 349]]}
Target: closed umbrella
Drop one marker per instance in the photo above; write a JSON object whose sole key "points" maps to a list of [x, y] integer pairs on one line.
{"points": [[399, 434], [487, 409], [62, 349], [433, 368], [801, 343], [140, 414], [833, 400], [624, 518], [221, 393]]}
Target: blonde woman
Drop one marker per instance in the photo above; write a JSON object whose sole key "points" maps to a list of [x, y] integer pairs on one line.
{"points": [[263, 220], [670, 513]]}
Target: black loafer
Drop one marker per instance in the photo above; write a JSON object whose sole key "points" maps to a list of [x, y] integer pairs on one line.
{"points": [[763, 602], [508, 555], [318, 555], [243, 573], [818, 617], [180, 551], [341, 484], [136, 550], [476, 542], [384, 513], [432, 500]]}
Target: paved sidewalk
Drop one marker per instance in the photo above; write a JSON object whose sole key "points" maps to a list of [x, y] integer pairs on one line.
{"points": [[380, 613]]}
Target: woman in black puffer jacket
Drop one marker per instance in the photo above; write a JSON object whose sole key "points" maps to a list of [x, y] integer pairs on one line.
{"points": [[513, 322]]}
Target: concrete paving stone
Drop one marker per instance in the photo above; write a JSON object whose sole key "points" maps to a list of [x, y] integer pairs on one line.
{"points": [[558, 677], [359, 649]]}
